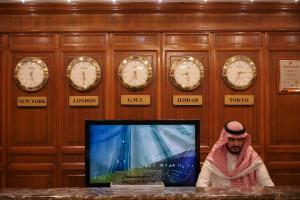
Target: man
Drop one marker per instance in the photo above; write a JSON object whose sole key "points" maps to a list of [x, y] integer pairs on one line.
{"points": [[233, 162]]}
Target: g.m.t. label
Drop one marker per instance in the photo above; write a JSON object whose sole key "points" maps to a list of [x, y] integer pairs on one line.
{"points": [[135, 99]]}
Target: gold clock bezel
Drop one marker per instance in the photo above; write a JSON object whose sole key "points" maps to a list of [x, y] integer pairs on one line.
{"points": [[41, 63], [180, 60], [232, 60], [123, 65], [92, 63]]}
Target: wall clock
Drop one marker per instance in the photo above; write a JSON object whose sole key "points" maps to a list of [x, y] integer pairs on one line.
{"points": [[31, 74], [239, 72], [84, 73], [187, 72], [135, 72]]}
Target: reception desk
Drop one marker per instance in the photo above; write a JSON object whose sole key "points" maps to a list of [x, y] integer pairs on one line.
{"points": [[172, 193]]}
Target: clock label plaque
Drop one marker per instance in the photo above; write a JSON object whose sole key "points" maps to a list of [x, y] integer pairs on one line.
{"points": [[187, 100], [135, 100], [25, 101], [83, 100], [239, 100]]}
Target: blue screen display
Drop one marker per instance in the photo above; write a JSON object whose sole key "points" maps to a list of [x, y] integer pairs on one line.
{"points": [[122, 146]]}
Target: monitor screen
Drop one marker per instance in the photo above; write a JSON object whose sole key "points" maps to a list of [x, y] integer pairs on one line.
{"points": [[115, 147]]}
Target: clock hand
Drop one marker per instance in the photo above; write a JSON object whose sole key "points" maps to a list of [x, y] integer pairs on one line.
{"points": [[238, 76], [83, 78], [187, 76], [134, 76], [31, 76]]}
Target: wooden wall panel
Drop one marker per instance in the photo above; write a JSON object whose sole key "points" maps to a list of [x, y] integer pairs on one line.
{"points": [[283, 40], [25, 41], [284, 108], [30, 179], [32, 127], [1, 96], [2, 114], [44, 147], [248, 115], [73, 130], [73, 179], [176, 45], [283, 119], [32, 138], [185, 112], [76, 116], [85, 40], [146, 46]]}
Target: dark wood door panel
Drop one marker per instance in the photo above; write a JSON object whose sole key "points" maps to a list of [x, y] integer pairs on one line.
{"points": [[283, 40], [170, 111], [136, 111], [284, 108], [75, 117], [32, 126], [84, 40], [73, 178], [238, 40], [249, 115], [2, 95], [30, 179], [32, 41], [285, 176]]}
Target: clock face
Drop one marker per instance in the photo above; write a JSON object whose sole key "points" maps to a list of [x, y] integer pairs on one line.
{"points": [[84, 73], [31, 74], [239, 72], [135, 72], [187, 73]]}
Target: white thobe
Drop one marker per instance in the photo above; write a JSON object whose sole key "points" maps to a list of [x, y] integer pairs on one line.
{"points": [[210, 175]]}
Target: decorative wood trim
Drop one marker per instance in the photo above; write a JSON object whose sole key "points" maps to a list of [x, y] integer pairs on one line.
{"points": [[134, 7], [148, 22]]}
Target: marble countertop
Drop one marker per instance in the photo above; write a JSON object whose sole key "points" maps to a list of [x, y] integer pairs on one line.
{"points": [[171, 193]]}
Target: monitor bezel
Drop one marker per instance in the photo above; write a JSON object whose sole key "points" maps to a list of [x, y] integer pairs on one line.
{"points": [[137, 122]]}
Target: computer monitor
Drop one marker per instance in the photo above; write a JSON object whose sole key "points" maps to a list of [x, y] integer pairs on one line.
{"points": [[170, 146]]}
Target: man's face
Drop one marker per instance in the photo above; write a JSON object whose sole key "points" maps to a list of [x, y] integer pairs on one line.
{"points": [[235, 145]]}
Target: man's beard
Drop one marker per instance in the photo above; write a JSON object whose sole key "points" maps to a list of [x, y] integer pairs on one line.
{"points": [[234, 149]]}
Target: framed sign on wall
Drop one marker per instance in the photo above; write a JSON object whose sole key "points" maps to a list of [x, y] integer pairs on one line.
{"points": [[289, 76]]}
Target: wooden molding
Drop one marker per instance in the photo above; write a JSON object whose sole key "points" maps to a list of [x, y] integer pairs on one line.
{"points": [[132, 17], [143, 7]]}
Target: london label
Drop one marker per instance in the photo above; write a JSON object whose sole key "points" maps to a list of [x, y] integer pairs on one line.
{"points": [[238, 100], [83, 100], [187, 100], [25, 101]]}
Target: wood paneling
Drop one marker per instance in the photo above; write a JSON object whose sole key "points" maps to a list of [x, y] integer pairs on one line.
{"points": [[73, 179], [282, 138], [85, 40], [284, 108], [32, 127], [44, 147], [146, 46], [238, 40], [76, 116], [21, 41], [30, 179], [248, 115]]}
